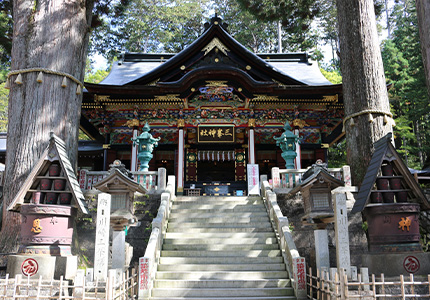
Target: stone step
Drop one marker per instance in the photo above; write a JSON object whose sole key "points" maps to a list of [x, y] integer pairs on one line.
{"points": [[226, 298], [222, 241], [221, 292], [215, 202], [183, 275], [201, 215], [221, 219], [220, 230], [218, 207], [223, 267], [206, 235], [219, 247], [239, 253], [253, 283], [216, 260], [219, 225], [216, 199]]}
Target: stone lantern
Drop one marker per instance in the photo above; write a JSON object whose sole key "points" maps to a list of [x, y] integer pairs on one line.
{"points": [[287, 142], [123, 190], [146, 143], [316, 190]]}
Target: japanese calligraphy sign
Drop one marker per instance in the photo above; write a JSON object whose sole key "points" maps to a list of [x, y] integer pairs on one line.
{"points": [[299, 270], [216, 134], [101, 254]]}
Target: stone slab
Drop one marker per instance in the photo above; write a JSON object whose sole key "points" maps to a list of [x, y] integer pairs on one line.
{"points": [[396, 264], [66, 266], [33, 265], [46, 266]]}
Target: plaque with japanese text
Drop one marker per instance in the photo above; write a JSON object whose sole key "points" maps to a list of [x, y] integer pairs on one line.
{"points": [[216, 134]]}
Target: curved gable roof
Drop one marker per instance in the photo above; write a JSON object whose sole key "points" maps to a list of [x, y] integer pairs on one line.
{"points": [[144, 69]]}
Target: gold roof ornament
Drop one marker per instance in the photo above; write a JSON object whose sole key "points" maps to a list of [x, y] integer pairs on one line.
{"points": [[299, 123], [215, 43], [132, 123]]}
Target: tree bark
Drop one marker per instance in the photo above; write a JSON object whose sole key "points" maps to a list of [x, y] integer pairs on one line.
{"points": [[50, 34], [423, 14], [364, 84]]}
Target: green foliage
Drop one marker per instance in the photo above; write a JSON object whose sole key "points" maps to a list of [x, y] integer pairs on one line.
{"points": [[333, 76], [5, 33], [4, 100], [408, 94], [150, 26], [256, 35], [337, 155]]}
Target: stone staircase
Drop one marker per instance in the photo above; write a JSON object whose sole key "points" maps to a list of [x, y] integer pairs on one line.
{"points": [[221, 248]]}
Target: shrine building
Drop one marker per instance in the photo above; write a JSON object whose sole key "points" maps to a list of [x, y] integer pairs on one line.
{"points": [[216, 107]]}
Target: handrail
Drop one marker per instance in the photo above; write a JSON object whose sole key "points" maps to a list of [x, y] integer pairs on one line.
{"points": [[152, 181], [147, 263], [296, 265], [289, 178]]}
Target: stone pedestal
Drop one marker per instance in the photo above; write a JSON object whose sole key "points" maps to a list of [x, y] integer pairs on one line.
{"points": [[118, 249], [395, 264], [47, 267], [321, 249], [343, 258]]}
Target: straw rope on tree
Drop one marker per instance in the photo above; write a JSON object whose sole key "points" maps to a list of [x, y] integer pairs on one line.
{"points": [[39, 79]]}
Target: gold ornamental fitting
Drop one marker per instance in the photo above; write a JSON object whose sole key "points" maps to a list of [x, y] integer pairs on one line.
{"points": [[132, 123]]}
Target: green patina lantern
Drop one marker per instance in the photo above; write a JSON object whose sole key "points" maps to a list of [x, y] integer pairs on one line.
{"points": [[146, 143], [287, 142]]}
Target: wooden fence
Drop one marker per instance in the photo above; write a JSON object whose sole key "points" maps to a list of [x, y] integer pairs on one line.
{"points": [[326, 286], [122, 286]]}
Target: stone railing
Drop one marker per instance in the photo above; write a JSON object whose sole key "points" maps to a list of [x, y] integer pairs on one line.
{"points": [[148, 263], [296, 264], [152, 181], [289, 178]]}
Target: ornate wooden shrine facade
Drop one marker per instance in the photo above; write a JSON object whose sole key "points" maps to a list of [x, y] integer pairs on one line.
{"points": [[216, 107]]}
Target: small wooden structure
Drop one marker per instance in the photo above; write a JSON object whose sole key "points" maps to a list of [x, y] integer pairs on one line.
{"points": [[122, 188], [48, 201], [316, 190], [393, 219]]}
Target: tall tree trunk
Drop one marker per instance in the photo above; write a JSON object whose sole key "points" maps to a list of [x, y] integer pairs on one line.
{"points": [[364, 85], [51, 34], [423, 14]]}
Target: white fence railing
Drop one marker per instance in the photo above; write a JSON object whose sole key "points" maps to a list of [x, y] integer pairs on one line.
{"points": [[119, 286], [148, 263], [151, 180], [289, 178], [296, 265]]}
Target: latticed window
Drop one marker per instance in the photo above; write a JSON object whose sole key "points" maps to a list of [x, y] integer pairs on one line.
{"points": [[320, 200]]}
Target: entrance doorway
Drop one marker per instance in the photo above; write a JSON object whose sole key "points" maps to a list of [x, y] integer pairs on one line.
{"points": [[210, 171]]}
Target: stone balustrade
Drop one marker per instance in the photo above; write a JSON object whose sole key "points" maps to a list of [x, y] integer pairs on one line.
{"points": [[147, 263], [296, 265], [152, 181], [289, 178]]}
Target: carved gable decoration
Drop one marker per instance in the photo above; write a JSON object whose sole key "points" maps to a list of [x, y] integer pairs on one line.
{"points": [[54, 154], [215, 43]]}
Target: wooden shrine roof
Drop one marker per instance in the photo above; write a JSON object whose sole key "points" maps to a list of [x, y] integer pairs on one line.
{"points": [[215, 55], [384, 150], [56, 151]]}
